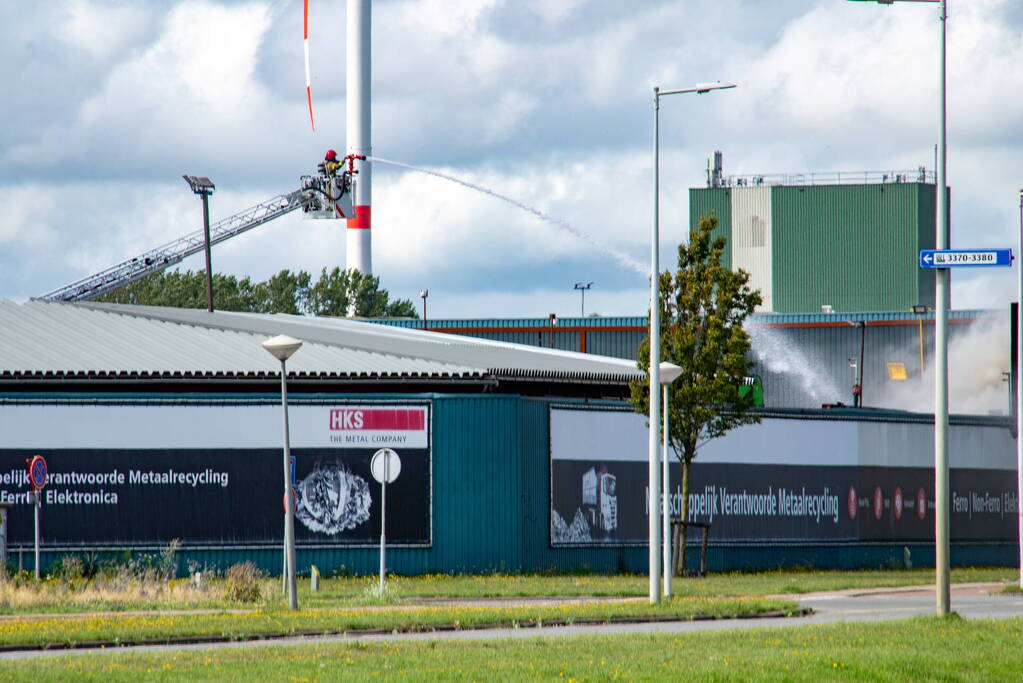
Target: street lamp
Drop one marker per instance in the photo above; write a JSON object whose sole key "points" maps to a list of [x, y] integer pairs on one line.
{"points": [[669, 372], [582, 292], [920, 310], [282, 347], [204, 187], [653, 484], [424, 293], [941, 300]]}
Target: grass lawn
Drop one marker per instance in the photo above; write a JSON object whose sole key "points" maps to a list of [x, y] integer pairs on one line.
{"points": [[153, 627], [733, 584], [925, 648], [59, 596]]}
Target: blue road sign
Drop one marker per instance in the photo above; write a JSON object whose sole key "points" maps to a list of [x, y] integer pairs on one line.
{"points": [[957, 258]]}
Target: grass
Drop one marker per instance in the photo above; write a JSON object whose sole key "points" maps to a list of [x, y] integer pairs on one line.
{"points": [[143, 627], [128, 593], [925, 648]]}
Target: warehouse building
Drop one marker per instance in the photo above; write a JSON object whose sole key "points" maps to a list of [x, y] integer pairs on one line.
{"points": [[161, 424]]}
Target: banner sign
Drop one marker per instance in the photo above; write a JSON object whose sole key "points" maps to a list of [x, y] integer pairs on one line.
{"points": [[779, 481], [136, 490]]}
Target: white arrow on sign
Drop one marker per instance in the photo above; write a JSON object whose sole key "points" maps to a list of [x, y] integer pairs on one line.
{"points": [[927, 258]]}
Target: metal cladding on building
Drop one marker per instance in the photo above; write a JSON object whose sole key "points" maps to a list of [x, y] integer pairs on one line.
{"points": [[358, 132], [141, 411], [845, 241], [802, 359]]}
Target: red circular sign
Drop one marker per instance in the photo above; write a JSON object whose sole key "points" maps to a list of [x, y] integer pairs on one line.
{"points": [[37, 471], [878, 502], [921, 503], [852, 502], [897, 503]]}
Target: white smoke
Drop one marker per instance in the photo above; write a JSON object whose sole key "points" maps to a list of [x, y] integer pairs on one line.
{"points": [[977, 357]]}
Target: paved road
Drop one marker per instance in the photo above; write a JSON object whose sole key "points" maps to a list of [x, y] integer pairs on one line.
{"points": [[971, 601]]}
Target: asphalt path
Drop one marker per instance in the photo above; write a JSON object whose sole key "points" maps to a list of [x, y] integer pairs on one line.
{"points": [[970, 601]]}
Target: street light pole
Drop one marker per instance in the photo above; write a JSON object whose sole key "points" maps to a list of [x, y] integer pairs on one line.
{"points": [[1019, 392], [424, 293], [669, 373], [941, 305], [204, 187], [282, 348], [582, 291], [653, 452]]}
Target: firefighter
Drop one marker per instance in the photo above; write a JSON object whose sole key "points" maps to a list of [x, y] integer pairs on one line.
{"points": [[330, 163]]}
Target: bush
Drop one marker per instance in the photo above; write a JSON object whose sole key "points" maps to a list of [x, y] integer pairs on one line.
{"points": [[241, 583]]}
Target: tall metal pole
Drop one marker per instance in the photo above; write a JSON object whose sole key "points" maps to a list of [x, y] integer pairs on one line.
{"points": [[357, 103], [383, 519], [289, 499], [666, 504], [1019, 390], [206, 233], [38, 533], [941, 295], [653, 483]]}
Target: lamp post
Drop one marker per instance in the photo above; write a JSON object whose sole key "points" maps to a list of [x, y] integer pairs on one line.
{"points": [[204, 187], [653, 484], [941, 303], [920, 310], [282, 348], [582, 292], [1019, 393], [669, 372], [424, 293]]}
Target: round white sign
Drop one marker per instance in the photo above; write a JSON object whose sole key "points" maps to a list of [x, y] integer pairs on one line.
{"points": [[385, 466]]}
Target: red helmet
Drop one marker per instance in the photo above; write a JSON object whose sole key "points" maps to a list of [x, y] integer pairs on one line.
{"points": [[331, 155]]}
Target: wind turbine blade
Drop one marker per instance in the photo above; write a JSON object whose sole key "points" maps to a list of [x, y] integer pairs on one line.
{"points": [[305, 45]]}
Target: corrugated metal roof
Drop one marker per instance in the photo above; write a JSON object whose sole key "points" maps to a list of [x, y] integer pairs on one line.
{"points": [[503, 323], [53, 338]]}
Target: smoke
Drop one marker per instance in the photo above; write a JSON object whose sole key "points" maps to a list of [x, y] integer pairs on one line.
{"points": [[775, 352], [977, 357]]}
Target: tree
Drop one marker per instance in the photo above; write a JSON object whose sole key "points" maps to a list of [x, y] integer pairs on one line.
{"points": [[703, 307], [284, 292], [335, 291]]}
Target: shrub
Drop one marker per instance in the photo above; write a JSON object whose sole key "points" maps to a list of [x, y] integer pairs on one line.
{"points": [[241, 583]]}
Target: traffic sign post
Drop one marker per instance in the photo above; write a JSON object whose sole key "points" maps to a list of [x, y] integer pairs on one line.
{"points": [[385, 467], [37, 475], [969, 258]]}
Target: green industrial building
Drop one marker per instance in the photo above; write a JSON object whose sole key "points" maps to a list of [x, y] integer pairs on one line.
{"points": [[836, 242]]}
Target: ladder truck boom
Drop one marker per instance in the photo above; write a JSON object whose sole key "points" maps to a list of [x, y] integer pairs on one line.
{"points": [[324, 195], [167, 255]]}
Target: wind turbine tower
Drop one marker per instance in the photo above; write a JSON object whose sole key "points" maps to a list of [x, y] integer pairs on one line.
{"points": [[357, 101]]}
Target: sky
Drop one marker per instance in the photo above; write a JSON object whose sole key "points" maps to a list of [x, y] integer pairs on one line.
{"points": [[549, 102]]}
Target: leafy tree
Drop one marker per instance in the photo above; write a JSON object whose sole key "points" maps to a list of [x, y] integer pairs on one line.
{"points": [[284, 292], [702, 307], [336, 290]]}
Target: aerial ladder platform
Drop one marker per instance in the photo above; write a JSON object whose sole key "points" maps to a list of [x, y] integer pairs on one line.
{"points": [[324, 195]]}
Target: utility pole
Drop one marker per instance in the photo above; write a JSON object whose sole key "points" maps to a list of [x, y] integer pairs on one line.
{"points": [[204, 187], [582, 291]]}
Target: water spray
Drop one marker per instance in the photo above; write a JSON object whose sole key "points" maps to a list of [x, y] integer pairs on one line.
{"points": [[621, 258]]}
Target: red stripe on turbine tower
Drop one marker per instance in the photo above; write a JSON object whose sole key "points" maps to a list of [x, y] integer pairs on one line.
{"points": [[361, 220]]}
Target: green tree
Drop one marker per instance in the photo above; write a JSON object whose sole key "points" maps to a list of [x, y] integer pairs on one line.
{"points": [[703, 307], [284, 292], [336, 290]]}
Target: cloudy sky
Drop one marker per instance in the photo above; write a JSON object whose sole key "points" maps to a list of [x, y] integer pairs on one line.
{"points": [[548, 101]]}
